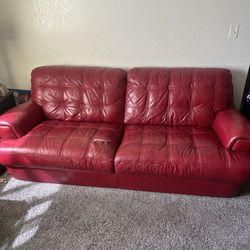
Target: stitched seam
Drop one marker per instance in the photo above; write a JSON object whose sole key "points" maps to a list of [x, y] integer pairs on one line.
{"points": [[168, 145], [168, 148], [58, 86], [147, 102], [44, 136], [197, 155], [142, 137], [191, 98], [102, 96], [41, 156], [168, 102], [214, 99], [51, 136], [64, 141]]}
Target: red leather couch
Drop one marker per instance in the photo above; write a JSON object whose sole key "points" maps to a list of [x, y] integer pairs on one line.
{"points": [[155, 129]]}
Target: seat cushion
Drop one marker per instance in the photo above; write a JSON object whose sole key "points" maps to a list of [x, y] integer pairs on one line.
{"points": [[65, 144], [189, 152]]}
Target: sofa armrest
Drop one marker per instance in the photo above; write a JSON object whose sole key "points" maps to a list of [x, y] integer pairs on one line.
{"points": [[19, 120], [233, 130]]}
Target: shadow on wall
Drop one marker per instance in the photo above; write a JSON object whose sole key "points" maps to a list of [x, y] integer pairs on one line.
{"points": [[7, 36], [239, 80]]}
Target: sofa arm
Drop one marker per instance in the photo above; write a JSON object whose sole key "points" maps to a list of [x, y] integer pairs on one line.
{"points": [[233, 130], [19, 120]]}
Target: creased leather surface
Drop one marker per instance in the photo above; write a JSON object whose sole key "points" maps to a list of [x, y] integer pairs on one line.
{"points": [[80, 93], [177, 96], [19, 120], [179, 151], [233, 129], [173, 111], [65, 145]]}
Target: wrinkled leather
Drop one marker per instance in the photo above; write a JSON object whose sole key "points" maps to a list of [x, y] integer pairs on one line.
{"points": [[65, 145], [233, 129], [80, 93], [169, 122], [186, 152], [177, 96], [19, 120]]}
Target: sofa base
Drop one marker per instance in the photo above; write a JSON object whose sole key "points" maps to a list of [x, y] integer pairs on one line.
{"points": [[143, 183]]}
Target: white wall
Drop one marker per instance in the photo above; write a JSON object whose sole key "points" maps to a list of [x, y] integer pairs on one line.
{"points": [[122, 33]]}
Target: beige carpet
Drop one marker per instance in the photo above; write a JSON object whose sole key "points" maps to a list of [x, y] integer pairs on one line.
{"points": [[50, 216]]}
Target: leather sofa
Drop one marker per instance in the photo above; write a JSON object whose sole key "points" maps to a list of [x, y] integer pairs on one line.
{"points": [[154, 129]]}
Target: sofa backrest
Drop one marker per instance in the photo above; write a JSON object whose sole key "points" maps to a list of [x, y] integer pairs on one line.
{"points": [[176, 96], [80, 93]]}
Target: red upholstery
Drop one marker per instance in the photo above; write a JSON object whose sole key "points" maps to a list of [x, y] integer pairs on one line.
{"points": [[233, 129], [134, 182], [19, 120], [176, 96], [185, 152], [80, 93], [181, 134], [65, 145]]}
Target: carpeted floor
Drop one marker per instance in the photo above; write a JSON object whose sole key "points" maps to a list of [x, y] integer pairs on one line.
{"points": [[51, 216]]}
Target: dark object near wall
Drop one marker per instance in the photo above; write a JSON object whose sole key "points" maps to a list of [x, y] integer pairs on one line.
{"points": [[21, 95], [7, 102], [245, 103]]}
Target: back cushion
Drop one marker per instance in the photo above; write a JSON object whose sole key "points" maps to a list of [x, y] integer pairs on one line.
{"points": [[177, 96], [80, 93]]}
